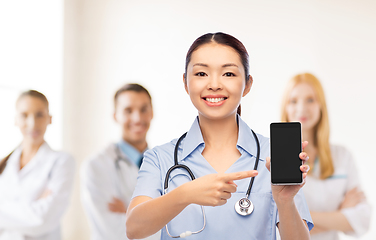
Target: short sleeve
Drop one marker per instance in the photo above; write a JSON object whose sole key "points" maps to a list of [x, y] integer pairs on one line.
{"points": [[359, 216], [303, 209], [149, 180], [351, 169]]}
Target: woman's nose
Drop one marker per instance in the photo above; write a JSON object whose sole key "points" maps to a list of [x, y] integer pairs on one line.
{"points": [[31, 121], [301, 107], [214, 83]]}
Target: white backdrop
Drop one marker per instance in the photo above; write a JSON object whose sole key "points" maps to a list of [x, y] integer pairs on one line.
{"points": [[31, 57], [146, 42], [111, 42]]}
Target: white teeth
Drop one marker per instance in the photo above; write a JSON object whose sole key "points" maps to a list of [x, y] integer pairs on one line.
{"points": [[214, 100]]}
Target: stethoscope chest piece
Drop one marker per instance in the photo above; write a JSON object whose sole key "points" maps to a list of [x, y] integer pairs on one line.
{"points": [[244, 207]]}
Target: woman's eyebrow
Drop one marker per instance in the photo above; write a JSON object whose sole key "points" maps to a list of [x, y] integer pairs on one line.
{"points": [[224, 65], [229, 65], [201, 64]]}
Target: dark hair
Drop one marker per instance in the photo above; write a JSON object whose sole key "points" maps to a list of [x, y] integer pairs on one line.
{"points": [[223, 39], [130, 87], [3, 162], [33, 93]]}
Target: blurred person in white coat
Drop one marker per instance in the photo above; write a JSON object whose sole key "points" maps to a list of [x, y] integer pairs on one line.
{"points": [[108, 179], [35, 181], [333, 191]]}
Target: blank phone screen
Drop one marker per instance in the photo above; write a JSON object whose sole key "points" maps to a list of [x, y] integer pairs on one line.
{"points": [[285, 144]]}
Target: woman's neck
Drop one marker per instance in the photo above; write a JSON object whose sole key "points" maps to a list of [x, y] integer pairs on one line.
{"points": [[28, 152], [219, 133]]}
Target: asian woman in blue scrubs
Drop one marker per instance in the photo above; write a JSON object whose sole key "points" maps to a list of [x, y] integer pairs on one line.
{"points": [[220, 150]]}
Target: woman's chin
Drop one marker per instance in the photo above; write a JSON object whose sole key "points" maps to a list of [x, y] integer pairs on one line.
{"points": [[34, 140]]}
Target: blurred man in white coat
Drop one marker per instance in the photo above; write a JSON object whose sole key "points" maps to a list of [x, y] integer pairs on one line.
{"points": [[109, 178]]}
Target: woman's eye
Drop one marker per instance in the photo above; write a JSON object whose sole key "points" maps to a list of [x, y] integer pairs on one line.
{"points": [[229, 74], [144, 109], [201, 74], [39, 115], [310, 100], [292, 101]]}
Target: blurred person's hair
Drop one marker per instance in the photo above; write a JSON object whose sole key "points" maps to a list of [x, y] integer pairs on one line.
{"points": [[29, 93], [321, 130], [130, 87], [33, 93], [3, 162]]}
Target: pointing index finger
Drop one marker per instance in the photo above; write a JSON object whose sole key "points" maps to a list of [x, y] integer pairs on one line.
{"points": [[239, 175]]}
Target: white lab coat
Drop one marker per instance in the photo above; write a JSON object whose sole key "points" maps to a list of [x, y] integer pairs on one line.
{"points": [[101, 180], [23, 214], [327, 195]]}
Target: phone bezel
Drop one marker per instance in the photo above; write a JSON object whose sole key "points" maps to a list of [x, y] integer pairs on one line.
{"points": [[284, 125]]}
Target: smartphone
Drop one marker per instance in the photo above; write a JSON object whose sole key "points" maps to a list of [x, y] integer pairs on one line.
{"points": [[285, 147]]}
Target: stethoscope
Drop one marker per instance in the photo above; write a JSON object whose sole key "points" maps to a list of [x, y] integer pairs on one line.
{"points": [[119, 157], [243, 207]]}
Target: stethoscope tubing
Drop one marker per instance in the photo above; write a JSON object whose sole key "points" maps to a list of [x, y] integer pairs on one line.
{"points": [[177, 165], [256, 163]]}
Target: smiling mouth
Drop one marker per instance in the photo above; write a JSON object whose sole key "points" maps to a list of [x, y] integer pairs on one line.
{"points": [[215, 100]]}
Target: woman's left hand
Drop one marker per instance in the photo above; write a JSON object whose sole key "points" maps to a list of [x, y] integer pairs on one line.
{"points": [[286, 193], [47, 192], [117, 206]]}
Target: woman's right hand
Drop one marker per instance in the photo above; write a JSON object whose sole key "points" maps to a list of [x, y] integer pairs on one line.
{"points": [[47, 192], [214, 189], [352, 198]]}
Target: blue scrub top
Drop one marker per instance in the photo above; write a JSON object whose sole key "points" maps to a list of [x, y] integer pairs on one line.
{"points": [[222, 222]]}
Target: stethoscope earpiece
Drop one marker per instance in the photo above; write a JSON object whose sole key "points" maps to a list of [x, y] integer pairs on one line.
{"points": [[185, 234]]}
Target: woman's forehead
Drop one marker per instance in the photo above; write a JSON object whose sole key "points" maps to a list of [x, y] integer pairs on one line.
{"points": [[303, 89], [30, 103], [215, 54]]}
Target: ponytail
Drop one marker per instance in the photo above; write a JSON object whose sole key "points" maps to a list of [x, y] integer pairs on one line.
{"points": [[3, 163]]}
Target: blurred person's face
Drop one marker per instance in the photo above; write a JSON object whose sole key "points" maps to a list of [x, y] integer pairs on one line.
{"points": [[134, 113], [303, 106], [32, 118]]}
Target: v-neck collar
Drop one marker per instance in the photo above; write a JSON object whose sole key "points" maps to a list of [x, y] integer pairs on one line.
{"points": [[246, 140], [40, 155]]}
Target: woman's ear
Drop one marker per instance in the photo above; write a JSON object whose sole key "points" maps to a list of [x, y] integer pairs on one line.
{"points": [[114, 116], [248, 85], [185, 82]]}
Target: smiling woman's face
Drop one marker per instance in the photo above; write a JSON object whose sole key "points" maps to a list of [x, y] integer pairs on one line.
{"points": [[303, 106], [32, 118], [215, 80]]}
